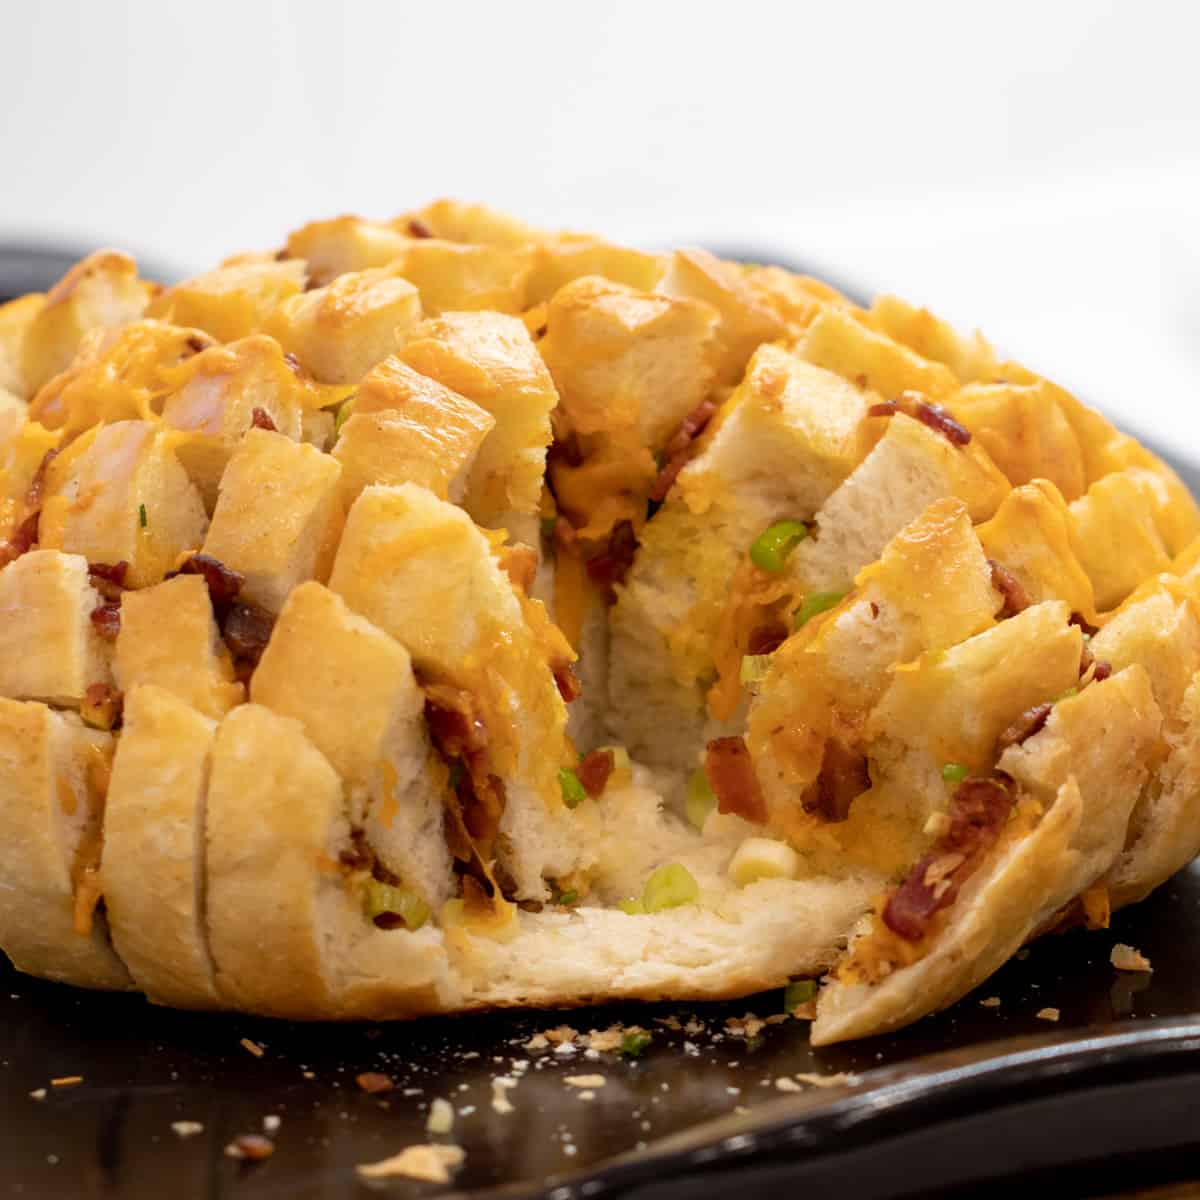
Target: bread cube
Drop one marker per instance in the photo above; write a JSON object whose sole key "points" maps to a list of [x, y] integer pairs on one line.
{"points": [[795, 299], [456, 221], [331, 248], [119, 494], [970, 358], [406, 426], [154, 848], [278, 516], [52, 773], [324, 662], [340, 331], [232, 301], [215, 405], [13, 413], [840, 342], [746, 321], [490, 359], [628, 364], [559, 260], [15, 318], [49, 649], [20, 459], [101, 291], [170, 640], [455, 277]]}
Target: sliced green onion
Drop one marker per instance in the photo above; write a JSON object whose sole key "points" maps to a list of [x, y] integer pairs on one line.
{"points": [[700, 798], [634, 1042], [632, 907], [568, 898], [815, 604], [573, 791], [344, 413], [754, 668], [669, 887], [142, 516], [384, 900], [954, 772], [798, 992], [769, 551]]}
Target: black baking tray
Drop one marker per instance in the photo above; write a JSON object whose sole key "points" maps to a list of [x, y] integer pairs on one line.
{"points": [[1098, 1102]]}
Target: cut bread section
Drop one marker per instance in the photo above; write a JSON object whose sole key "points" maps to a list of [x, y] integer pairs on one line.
{"points": [[52, 776], [153, 869]]}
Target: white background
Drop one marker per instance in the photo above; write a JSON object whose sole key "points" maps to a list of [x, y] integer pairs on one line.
{"points": [[1029, 168]]}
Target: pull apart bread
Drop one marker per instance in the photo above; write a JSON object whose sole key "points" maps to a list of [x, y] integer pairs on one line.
{"points": [[441, 613]]}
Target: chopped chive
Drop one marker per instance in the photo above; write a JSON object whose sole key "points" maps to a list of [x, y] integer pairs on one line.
{"points": [[631, 906], [769, 551], [816, 603], [634, 1042], [568, 898], [669, 887], [386, 905], [142, 516], [573, 791], [344, 413], [954, 772], [798, 992], [700, 798]]}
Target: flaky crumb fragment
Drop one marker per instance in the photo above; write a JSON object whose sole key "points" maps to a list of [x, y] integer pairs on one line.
{"points": [[441, 1117], [990, 1002], [38, 1094], [501, 1086], [66, 1081], [1048, 1014], [606, 1040], [837, 1079], [784, 1084], [253, 1047], [186, 1129], [1127, 958], [585, 1081], [431, 1164]]}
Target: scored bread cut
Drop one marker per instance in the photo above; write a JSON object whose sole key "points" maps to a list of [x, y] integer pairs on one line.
{"points": [[439, 613]]}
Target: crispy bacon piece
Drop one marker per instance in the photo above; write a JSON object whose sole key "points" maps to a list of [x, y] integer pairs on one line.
{"points": [[594, 770], [106, 620], [939, 420], [24, 537], [730, 772], [108, 578], [1016, 599], [567, 682], [454, 721], [766, 639], [1086, 626], [1102, 672], [197, 342], [978, 812], [418, 229], [261, 419], [887, 408], [610, 566], [842, 778], [246, 631], [678, 451], [1024, 727], [223, 582]]}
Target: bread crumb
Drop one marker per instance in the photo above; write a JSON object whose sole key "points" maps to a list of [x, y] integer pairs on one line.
{"points": [[990, 1002], [431, 1164], [835, 1080], [309, 1074], [500, 1087], [1127, 958], [539, 1041], [784, 1084], [66, 1081], [187, 1129], [693, 1027], [668, 1022], [441, 1117], [38, 1094], [607, 1039], [561, 1034], [585, 1081], [253, 1047], [373, 1082], [748, 1026], [271, 1123], [252, 1147], [1048, 1014]]}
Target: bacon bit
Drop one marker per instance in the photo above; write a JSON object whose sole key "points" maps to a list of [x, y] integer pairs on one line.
{"points": [[977, 813], [1102, 672], [37, 485], [293, 364], [888, 408], [766, 639], [610, 566], [373, 1082], [224, 583], [1087, 628], [252, 1147], [108, 579], [842, 778], [246, 631], [730, 772], [197, 342], [24, 537], [569, 687], [101, 706], [938, 419], [874, 610], [1024, 727], [594, 769], [1016, 599], [678, 451], [261, 419], [106, 621], [455, 725], [418, 229]]}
